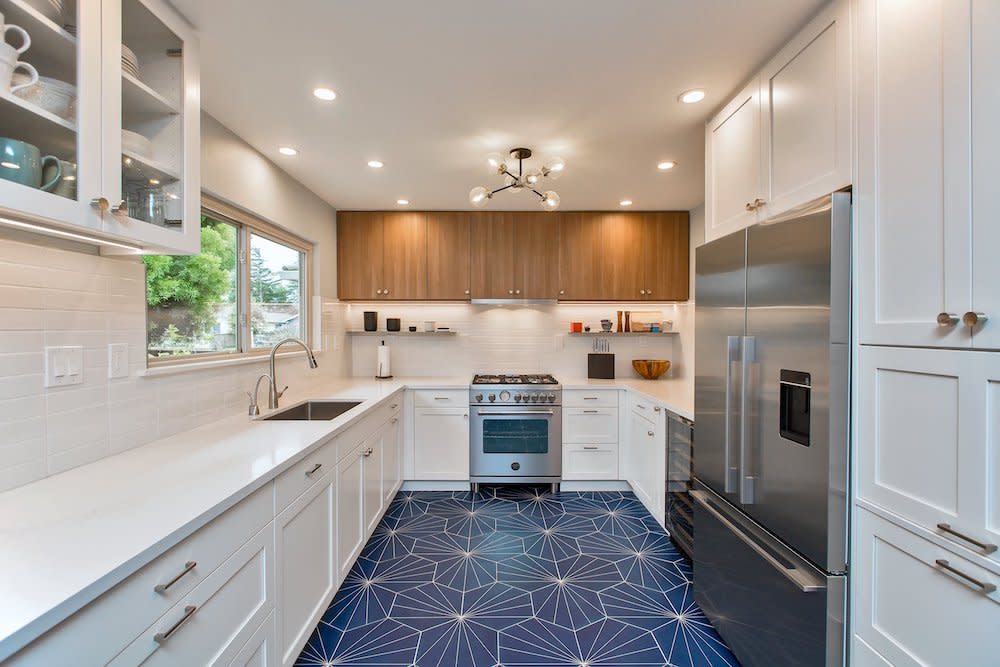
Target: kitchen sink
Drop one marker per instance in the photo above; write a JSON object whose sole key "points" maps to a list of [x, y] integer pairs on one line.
{"points": [[313, 411]]}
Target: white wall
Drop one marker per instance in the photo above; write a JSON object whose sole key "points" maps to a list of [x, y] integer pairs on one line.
{"points": [[52, 295]]}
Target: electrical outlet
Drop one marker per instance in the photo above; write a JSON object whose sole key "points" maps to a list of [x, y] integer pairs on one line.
{"points": [[118, 360], [63, 366]]}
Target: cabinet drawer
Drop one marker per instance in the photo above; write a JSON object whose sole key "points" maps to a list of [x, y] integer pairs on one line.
{"points": [[259, 650], [295, 481], [213, 622], [355, 435], [440, 398], [591, 425], [644, 407], [908, 603], [593, 461], [100, 630], [590, 398]]}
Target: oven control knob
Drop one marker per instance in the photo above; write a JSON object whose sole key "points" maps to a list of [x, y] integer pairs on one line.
{"points": [[493, 397], [504, 396], [515, 466], [552, 398], [479, 398], [517, 398], [534, 398]]}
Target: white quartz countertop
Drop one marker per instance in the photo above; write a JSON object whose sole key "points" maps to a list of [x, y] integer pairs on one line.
{"points": [[66, 539], [673, 395]]}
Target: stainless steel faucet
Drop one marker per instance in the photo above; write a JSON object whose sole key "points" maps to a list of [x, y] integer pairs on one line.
{"points": [[253, 410], [273, 394]]}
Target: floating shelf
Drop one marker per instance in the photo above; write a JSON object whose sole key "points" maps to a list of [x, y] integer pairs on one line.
{"points": [[53, 50], [613, 334], [143, 169], [356, 332], [24, 121], [141, 100]]}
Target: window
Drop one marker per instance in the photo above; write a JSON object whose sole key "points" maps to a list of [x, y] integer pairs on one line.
{"points": [[247, 290]]}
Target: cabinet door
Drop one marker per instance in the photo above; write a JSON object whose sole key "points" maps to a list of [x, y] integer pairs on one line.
{"points": [[581, 256], [441, 443], [449, 276], [259, 649], [359, 255], [404, 255], [621, 270], [985, 167], [391, 459], [373, 498], [911, 609], [666, 255], [806, 107], [350, 515], [913, 182], [152, 180], [929, 452], [492, 255], [536, 256], [733, 164], [74, 138], [638, 441], [305, 540], [590, 425]]}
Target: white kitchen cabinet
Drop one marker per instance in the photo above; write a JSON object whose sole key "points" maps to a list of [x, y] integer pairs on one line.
{"points": [[733, 167], [806, 107], [305, 537], [589, 461], [392, 460], [930, 446], [926, 208], [373, 500], [351, 534], [148, 197], [259, 649], [441, 443], [590, 425], [646, 467], [912, 610]]}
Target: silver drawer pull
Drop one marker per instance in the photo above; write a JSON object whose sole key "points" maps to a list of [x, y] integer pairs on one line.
{"points": [[987, 548], [984, 587], [589, 448], [394, 420], [188, 566], [640, 406], [650, 433], [591, 412], [314, 469], [441, 398], [368, 452], [394, 406], [656, 409], [590, 398], [161, 637]]}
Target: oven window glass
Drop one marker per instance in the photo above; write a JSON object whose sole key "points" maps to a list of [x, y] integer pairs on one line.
{"points": [[515, 436]]}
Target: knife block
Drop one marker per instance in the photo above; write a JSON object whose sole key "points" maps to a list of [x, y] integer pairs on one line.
{"points": [[601, 366]]}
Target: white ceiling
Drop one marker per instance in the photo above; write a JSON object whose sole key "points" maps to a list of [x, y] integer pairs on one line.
{"points": [[430, 87]]}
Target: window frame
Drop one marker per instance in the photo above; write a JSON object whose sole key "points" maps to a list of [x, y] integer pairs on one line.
{"points": [[247, 225]]}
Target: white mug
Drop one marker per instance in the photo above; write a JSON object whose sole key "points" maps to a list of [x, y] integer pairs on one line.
{"points": [[8, 64], [25, 38]]}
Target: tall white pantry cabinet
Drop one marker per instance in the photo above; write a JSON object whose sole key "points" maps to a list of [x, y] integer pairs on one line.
{"points": [[926, 520]]}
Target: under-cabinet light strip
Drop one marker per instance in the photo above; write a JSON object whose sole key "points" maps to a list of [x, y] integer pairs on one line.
{"points": [[64, 234]]}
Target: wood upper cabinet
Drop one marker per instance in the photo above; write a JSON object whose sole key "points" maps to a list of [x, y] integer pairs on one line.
{"points": [[493, 256], [536, 255], [404, 256], [582, 257], [359, 255], [449, 276], [665, 251]]}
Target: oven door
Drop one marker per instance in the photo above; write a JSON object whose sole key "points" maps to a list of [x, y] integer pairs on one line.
{"points": [[516, 442]]}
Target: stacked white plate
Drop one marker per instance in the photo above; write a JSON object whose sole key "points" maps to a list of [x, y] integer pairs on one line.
{"points": [[130, 64], [53, 95], [135, 143]]}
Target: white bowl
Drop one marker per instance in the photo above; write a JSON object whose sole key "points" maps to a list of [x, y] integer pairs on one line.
{"points": [[133, 142], [129, 59], [52, 95]]}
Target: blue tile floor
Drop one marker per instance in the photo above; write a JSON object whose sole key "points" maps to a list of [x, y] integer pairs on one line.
{"points": [[516, 576]]}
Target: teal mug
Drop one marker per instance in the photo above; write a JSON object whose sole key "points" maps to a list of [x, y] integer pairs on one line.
{"points": [[22, 163], [66, 186]]}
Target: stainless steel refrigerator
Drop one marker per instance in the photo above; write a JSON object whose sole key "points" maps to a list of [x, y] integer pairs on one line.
{"points": [[772, 362]]}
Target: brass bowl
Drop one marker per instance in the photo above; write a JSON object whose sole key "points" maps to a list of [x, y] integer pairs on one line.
{"points": [[650, 368]]}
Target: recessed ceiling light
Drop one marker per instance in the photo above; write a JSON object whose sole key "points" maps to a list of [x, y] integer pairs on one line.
{"points": [[325, 94], [375, 164], [403, 202], [625, 202], [154, 181], [666, 164], [692, 96], [288, 150]]}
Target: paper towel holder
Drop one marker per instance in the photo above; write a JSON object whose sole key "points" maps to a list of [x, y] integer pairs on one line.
{"points": [[380, 362]]}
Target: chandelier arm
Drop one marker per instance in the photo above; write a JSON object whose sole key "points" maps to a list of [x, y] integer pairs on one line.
{"points": [[501, 189], [538, 193]]}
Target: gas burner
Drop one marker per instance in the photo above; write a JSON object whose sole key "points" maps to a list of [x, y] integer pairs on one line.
{"points": [[514, 379]]}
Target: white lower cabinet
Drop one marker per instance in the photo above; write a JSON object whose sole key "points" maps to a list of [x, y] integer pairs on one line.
{"points": [[441, 443], [392, 460], [350, 501], [590, 462], [645, 457], [373, 500], [305, 537], [259, 650], [591, 424], [213, 622], [918, 604]]}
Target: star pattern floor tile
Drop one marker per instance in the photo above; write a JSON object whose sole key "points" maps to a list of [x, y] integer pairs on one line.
{"points": [[517, 576]]}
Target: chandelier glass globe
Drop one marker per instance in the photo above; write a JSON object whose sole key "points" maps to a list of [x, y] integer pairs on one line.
{"points": [[495, 164], [550, 200], [479, 196]]}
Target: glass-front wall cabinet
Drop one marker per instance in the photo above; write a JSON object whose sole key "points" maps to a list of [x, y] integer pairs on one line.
{"points": [[70, 158]]}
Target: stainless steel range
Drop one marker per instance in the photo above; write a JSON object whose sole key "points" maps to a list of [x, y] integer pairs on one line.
{"points": [[516, 430]]}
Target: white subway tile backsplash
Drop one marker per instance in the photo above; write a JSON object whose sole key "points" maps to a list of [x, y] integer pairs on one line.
{"points": [[17, 409], [21, 364]]}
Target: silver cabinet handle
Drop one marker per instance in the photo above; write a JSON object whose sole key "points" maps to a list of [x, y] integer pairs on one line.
{"points": [[385, 291], [378, 291], [642, 291], [972, 319], [515, 412], [734, 367], [656, 409], [163, 588], [100, 203], [750, 371], [987, 548], [984, 587], [590, 398], [561, 292], [394, 406], [368, 452], [313, 469], [517, 291], [510, 291], [650, 433], [589, 447], [947, 319], [161, 637], [591, 412], [468, 291], [758, 202], [748, 206], [441, 398], [649, 292], [466, 415], [393, 420], [120, 207]]}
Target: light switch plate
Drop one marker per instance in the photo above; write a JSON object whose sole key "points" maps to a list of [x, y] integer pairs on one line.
{"points": [[118, 360], [63, 366]]}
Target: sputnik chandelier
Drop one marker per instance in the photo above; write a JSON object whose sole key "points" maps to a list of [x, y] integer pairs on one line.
{"points": [[480, 195]]}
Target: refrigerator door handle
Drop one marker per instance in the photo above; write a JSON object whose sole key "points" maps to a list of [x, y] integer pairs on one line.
{"points": [[802, 579], [733, 368], [748, 412]]}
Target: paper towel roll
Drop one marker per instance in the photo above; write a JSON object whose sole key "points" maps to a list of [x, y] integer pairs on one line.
{"points": [[382, 369]]}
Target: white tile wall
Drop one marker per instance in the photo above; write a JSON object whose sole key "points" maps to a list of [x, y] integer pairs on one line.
{"points": [[51, 296], [516, 339]]}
